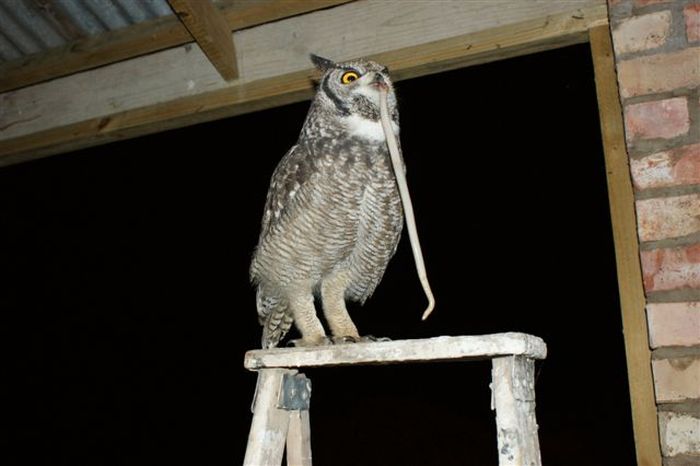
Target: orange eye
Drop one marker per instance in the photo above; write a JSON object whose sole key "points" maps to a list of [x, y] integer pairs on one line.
{"points": [[349, 76]]}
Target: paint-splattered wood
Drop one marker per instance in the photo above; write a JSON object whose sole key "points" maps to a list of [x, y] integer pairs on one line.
{"points": [[299, 439], [401, 351], [268, 430], [513, 386]]}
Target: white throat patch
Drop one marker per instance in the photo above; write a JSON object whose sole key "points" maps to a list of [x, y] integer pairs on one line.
{"points": [[367, 129]]}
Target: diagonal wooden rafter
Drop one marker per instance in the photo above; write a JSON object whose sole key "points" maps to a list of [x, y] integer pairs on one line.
{"points": [[142, 39], [211, 31]]}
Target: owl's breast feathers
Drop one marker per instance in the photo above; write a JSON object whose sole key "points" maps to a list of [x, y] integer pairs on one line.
{"points": [[332, 200]]}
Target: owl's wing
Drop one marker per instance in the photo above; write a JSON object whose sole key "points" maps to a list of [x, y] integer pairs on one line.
{"points": [[289, 178]]}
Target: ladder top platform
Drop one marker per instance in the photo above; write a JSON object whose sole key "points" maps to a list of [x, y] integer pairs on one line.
{"points": [[472, 347]]}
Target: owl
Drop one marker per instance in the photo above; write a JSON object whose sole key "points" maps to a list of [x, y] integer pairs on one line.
{"points": [[333, 215]]}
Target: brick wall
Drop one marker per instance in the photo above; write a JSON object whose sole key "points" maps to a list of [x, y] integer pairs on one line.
{"points": [[657, 51]]}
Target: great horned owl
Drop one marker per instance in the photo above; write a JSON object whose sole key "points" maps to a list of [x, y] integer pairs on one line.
{"points": [[333, 215]]}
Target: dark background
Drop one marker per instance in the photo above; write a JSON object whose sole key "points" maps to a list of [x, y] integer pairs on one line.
{"points": [[128, 306]]}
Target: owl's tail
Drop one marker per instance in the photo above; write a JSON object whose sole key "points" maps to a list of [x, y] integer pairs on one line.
{"points": [[274, 316]]}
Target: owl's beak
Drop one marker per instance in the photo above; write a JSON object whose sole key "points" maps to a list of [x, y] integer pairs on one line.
{"points": [[379, 82]]}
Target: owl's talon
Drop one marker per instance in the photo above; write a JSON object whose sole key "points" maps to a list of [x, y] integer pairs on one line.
{"points": [[364, 339], [372, 338], [345, 339], [305, 343]]}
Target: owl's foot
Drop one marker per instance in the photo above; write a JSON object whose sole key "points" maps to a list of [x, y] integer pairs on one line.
{"points": [[351, 339], [307, 342], [371, 338], [345, 339]]}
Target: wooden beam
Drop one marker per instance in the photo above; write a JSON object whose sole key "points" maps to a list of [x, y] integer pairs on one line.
{"points": [[212, 33], [400, 351], [136, 97], [141, 39], [629, 274]]}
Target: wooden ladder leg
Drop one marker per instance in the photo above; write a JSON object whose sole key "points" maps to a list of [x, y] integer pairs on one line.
{"points": [[513, 397], [268, 430], [299, 439], [296, 399]]}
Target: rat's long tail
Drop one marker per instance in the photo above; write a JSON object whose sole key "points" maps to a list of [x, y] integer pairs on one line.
{"points": [[406, 201]]}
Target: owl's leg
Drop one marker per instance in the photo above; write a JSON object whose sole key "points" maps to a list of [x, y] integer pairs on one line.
{"points": [[333, 296], [301, 303]]}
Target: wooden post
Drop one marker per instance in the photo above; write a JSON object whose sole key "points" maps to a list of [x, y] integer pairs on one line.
{"points": [[513, 392], [268, 431], [299, 439], [629, 272]]}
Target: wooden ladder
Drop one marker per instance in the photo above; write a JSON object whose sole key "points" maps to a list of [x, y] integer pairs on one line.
{"points": [[281, 403]]}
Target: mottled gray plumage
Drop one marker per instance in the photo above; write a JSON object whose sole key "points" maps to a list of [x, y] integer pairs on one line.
{"points": [[333, 214]]}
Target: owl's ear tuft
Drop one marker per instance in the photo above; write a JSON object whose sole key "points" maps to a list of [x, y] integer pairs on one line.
{"points": [[321, 63]]}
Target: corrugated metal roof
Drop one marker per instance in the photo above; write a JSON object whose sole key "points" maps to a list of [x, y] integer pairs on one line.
{"points": [[32, 26]]}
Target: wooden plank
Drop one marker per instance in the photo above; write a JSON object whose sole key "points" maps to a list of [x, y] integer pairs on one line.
{"points": [[141, 39], [513, 388], [401, 351], [268, 430], [629, 274], [212, 33], [137, 98]]}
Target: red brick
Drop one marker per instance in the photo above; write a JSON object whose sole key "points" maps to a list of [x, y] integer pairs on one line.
{"points": [[642, 32], [679, 434], [668, 217], [676, 379], [665, 119], [649, 2], [675, 167], [671, 269], [673, 324], [659, 73], [692, 22]]}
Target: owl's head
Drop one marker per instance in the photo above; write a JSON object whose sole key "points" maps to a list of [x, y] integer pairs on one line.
{"points": [[352, 87]]}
